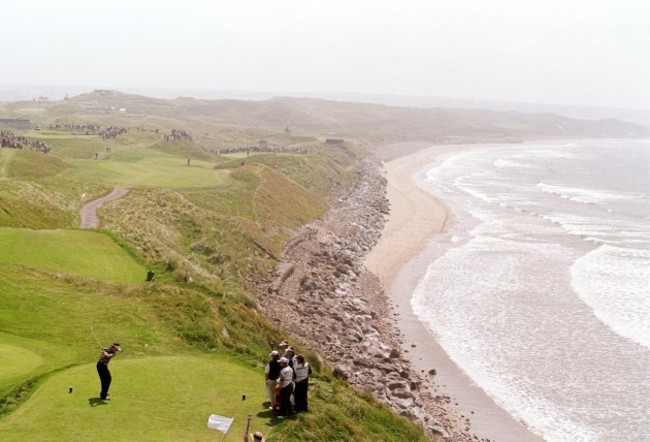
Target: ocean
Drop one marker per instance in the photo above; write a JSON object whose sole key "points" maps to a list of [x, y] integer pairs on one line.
{"points": [[541, 293]]}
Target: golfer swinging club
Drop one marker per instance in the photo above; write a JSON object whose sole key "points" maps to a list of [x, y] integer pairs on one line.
{"points": [[105, 357]]}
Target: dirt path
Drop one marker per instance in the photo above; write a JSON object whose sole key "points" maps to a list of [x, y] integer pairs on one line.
{"points": [[88, 213]]}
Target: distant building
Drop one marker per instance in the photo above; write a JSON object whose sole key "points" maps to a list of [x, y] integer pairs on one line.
{"points": [[334, 140]]}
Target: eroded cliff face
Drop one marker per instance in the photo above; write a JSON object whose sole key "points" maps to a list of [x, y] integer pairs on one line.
{"points": [[324, 296]]}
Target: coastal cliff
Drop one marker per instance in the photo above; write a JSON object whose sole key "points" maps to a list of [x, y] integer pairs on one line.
{"points": [[324, 296]]}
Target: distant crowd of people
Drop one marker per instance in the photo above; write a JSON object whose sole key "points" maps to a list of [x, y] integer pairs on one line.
{"points": [[92, 129], [112, 132], [87, 128], [178, 134], [287, 381], [9, 139], [266, 149]]}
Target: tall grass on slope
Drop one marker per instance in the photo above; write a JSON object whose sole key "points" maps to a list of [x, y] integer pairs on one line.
{"points": [[340, 415], [225, 234], [19, 163], [43, 204], [34, 195]]}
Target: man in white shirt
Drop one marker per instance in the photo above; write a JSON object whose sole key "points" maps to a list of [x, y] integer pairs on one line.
{"points": [[302, 370], [285, 382]]}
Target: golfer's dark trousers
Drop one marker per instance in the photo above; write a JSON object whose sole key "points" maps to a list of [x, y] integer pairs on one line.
{"points": [[300, 394], [285, 400], [105, 378]]}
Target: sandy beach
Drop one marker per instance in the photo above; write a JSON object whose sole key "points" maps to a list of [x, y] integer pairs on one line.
{"points": [[400, 260]]}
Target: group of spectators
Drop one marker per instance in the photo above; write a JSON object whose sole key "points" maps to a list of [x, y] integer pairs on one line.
{"points": [[178, 134], [287, 381], [96, 129], [112, 132], [78, 127], [265, 149], [9, 139]]}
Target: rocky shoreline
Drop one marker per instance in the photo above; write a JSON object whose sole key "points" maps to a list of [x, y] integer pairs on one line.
{"points": [[333, 305]]}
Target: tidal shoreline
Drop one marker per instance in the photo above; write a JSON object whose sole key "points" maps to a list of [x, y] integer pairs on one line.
{"points": [[336, 290], [400, 260]]}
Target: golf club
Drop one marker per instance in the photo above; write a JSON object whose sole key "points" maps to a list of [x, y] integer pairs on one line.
{"points": [[93, 332]]}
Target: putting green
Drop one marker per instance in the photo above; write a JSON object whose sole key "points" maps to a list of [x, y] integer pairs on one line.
{"points": [[22, 358], [78, 252], [152, 399], [15, 361]]}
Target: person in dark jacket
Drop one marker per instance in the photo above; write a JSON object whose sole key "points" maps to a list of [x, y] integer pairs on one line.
{"points": [[105, 378], [271, 375]]}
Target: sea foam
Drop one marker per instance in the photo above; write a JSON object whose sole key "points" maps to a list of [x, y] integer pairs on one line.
{"points": [[540, 294]]}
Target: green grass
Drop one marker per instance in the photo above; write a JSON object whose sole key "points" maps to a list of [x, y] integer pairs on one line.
{"points": [[191, 348], [171, 398], [184, 148], [68, 145], [46, 203], [319, 172], [6, 156], [83, 253], [51, 316], [18, 163], [347, 417], [152, 172], [49, 134], [76, 146], [16, 361], [30, 110], [24, 357], [152, 399]]}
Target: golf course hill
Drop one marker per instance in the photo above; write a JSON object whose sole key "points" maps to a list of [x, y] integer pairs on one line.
{"points": [[177, 267]]}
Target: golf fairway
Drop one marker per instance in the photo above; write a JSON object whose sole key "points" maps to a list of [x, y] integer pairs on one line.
{"points": [[83, 253]]}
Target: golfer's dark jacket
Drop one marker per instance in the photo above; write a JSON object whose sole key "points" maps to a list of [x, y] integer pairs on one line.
{"points": [[105, 356]]}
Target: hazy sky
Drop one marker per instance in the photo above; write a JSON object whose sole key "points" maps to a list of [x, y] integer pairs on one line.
{"points": [[563, 52]]}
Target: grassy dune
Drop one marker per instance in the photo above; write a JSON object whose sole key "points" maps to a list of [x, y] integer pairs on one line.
{"points": [[28, 164]]}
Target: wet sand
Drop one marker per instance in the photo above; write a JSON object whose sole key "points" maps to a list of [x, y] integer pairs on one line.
{"points": [[400, 259]]}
